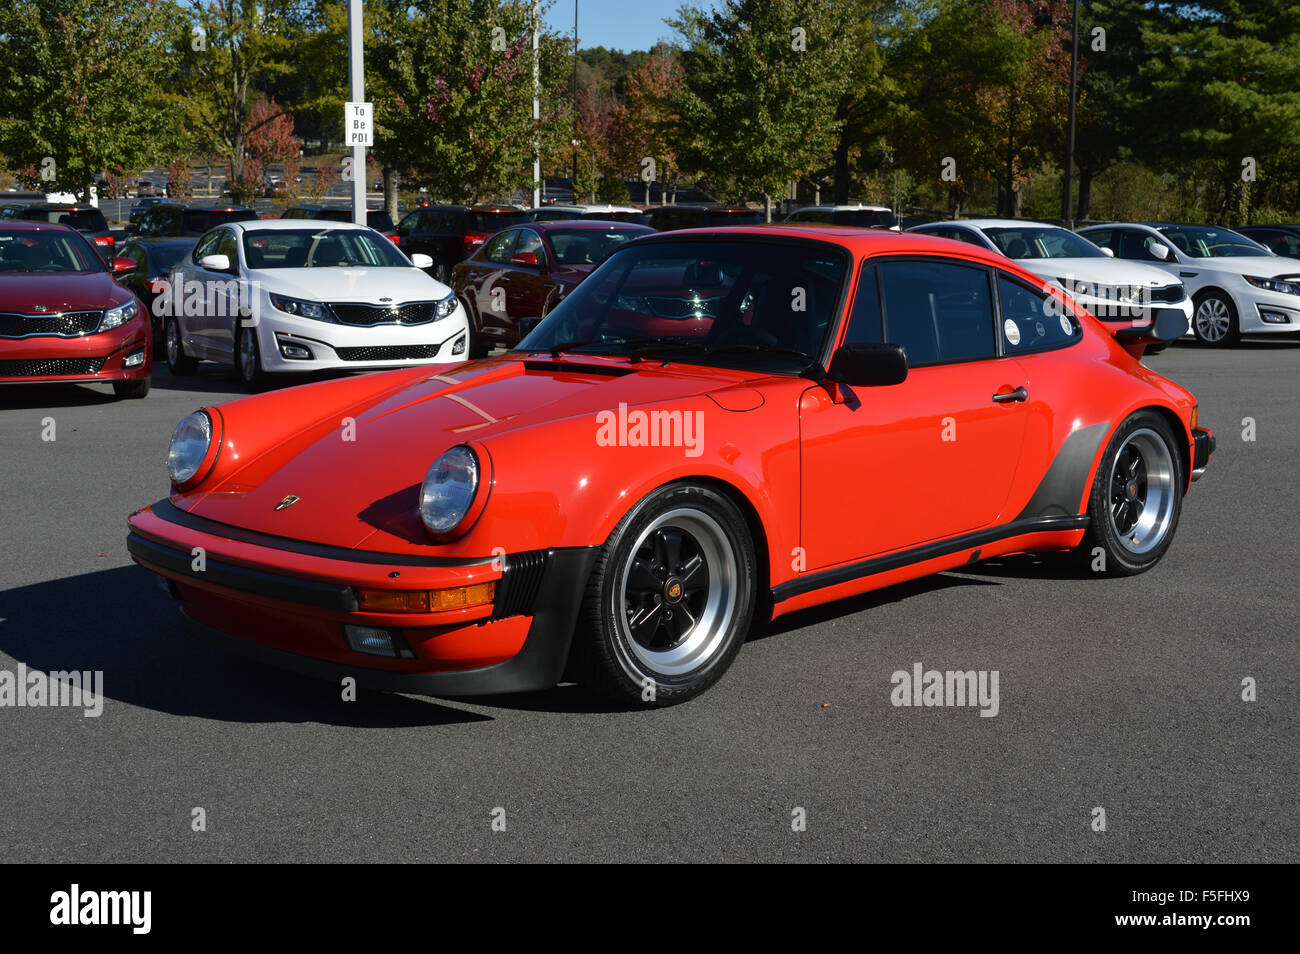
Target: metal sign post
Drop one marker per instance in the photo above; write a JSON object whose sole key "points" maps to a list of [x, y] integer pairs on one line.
{"points": [[358, 128]]}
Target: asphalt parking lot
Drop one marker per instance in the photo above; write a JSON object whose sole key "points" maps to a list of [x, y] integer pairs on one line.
{"points": [[1123, 695]]}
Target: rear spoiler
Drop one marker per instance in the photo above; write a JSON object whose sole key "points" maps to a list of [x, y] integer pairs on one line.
{"points": [[1166, 325]]}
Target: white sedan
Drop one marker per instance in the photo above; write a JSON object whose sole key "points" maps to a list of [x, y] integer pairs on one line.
{"points": [[285, 296], [1111, 290], [1239, 286]]}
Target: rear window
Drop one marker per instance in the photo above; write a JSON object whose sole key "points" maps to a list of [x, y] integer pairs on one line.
{"points": [[493, 221], [636, 218], [864, 218], [200, 220], [87, 220], [379, 220], [727, 217]]}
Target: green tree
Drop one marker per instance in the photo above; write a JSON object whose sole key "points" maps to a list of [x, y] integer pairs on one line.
{"points": [[762, 83], [82, 85]]}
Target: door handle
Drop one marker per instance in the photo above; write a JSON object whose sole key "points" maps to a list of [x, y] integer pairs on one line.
{"points": [[1019, 394]]}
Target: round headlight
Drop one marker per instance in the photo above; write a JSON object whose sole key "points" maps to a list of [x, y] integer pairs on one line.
{"points": [[188, 447], [448, 490]]}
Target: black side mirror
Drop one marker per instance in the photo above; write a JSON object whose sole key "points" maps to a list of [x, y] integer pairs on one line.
{"points": [[868, 365]]}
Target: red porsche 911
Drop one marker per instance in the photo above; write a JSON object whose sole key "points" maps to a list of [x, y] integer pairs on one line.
{"points": [[716, 428], [64, 317]]}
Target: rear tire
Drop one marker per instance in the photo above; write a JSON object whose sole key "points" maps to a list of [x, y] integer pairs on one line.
{"points": [[178, 363], [1136, 498], [670, 599]]}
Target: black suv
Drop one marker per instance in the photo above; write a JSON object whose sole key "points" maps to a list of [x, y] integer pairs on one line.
{"points": [[172, 218], [449, 234], [86, 219], [377, 219], [667, 218]]}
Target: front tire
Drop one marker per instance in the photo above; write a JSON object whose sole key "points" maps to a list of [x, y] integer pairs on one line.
{"points": [[1214, 320], [178, 363], [670, 599], [1136, 497], [248, 359], [131, 390]]}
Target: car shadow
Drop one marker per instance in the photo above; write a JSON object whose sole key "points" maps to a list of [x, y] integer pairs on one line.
{"points": [[120, 622], [1036, 566], [26, 397]]}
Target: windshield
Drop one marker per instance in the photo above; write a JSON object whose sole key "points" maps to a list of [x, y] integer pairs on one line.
{"points": [[588, 246], [713, 217], [1041, 242], [200, 220], [83, 220], [320, 248], [1200, 242], [636, 218], [52, 251], [761, 304]]}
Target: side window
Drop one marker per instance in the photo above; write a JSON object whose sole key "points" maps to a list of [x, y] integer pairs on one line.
{"points": [[408, 223], [969, 237], [939, 312], [864, 321], [1032, 321], [1135, 245], [498, 249], [206, 246], [530, 241], [1101, 239]]}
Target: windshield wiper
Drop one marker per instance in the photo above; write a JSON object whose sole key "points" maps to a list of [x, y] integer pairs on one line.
{"points": [[760, 349]]}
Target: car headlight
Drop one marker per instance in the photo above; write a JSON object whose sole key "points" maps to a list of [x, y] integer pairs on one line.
{"points": [[448, 490], [118, 316], [189, 447], [1274, 284], [446, 306], [303, 309]]}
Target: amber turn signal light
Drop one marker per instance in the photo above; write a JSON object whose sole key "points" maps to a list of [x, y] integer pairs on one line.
{"points": [[426, 601]]}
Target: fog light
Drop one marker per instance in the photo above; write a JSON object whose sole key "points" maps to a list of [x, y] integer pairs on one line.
{"points": [[376, 642], [134, 359], [425, 601], [459, 346], [1274, 317], [295, 352]]}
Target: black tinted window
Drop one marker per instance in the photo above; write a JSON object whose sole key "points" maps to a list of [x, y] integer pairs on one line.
{"points": [[939, 312], [1032, 321], [864, 321]]}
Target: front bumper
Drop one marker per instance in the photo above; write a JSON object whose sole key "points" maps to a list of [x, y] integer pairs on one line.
{"points": [[346, 347], [86, 359], [286, 603], [1202, 450]]}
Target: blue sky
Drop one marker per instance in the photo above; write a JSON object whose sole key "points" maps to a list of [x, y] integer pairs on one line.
{"points": [[617, 24]]}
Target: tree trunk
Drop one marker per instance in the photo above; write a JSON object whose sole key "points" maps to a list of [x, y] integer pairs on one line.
{"points": [[392, 181], [767, 207]]}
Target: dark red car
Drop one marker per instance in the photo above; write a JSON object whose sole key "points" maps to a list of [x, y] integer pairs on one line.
{"points": [[64, 317], [522, 272]]}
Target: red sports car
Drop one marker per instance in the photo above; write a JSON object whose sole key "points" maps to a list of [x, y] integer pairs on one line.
{"points": [[715, 428], [521, 273], [64, 317]]}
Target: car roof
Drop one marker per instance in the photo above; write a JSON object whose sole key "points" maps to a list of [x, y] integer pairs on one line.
{"points": [[23, 225], [1275, 225], [61, 207], [843, 208], [287, 224], [584, 223], [860, 240], [993, 223]]}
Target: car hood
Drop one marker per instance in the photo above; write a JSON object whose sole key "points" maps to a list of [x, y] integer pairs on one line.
{"points": [[355, 484], [59, 291], [1105, 271], [365, 285], [1273, 266]]}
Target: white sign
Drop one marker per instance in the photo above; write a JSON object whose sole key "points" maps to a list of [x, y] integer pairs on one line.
{"points": [[359, 124]]}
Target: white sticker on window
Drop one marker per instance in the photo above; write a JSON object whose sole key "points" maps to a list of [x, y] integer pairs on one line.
{"points": [[1012, 332], [1066, 326]]}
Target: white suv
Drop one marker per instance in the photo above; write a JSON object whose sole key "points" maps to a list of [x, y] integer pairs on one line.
{"points": [[1239, 287], [292, 295], [1111, 290]]}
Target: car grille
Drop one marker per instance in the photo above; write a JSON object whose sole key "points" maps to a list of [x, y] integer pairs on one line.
{"points": [[664, 307], [48, 367], [68, 324], [408, 313], [1167, 293], [389, 353], [520, 580]]}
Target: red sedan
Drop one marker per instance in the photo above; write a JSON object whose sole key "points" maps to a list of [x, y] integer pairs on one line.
{"points": [[64, 317], [715, 428], [521, 273]]}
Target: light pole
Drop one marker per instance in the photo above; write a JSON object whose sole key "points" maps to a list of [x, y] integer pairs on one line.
{"points": [[575, 102], [537, 115], [357, 82], [1067, 198]]}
